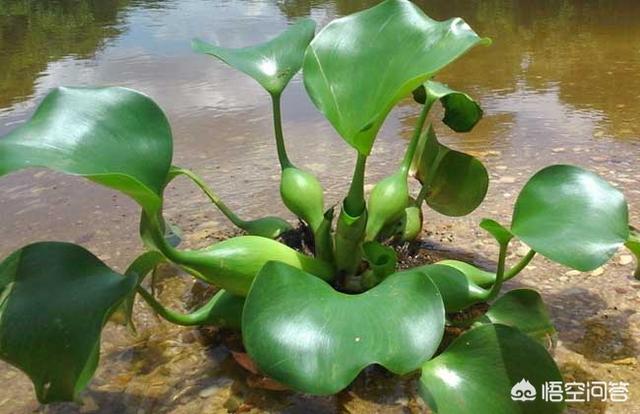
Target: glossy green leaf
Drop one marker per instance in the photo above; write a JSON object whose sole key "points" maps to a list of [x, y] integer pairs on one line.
{"points": [[572, 216], [457, 290], [272, 63], [461, 112], [478, 276], [55, 299], [233, 264], [477, 372], [525, 310], [114, 136], [359, 66], [271, 227], [456, 182], [303, 333], [502, 235]]}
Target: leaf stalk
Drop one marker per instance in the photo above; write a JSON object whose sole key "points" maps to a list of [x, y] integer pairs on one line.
{"points": [[413, 144], [354, 202], [277, 127]]}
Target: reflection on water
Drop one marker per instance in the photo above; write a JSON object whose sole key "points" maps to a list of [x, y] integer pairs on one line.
{"points": [[583, 53], [33, 34], [559, 84]]}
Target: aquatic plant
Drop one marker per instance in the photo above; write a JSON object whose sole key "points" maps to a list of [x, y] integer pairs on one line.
{"points": [[313, 322]]}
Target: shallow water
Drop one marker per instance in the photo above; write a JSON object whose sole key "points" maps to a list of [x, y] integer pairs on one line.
{"points": [[559, 84]]}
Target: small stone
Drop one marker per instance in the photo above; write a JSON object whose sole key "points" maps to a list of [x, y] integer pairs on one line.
{"points": [[599, 271], [626, 361], [572, 273], [559, 149], [625, 259], [522, 251], [507, 180], [209, 391], [563, 278], [501, 167]]}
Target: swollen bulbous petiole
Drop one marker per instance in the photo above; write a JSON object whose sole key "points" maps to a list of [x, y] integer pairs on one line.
{"points": [[387, 202], [303, 195]]}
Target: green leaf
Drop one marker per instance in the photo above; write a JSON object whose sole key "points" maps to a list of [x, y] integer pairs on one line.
{"points": [[572, 216], [303, 333], [272, 63], [457, 290], [271, 227], [233, 264], [456, 182], [54, 300], [114, 136], [478, 276], [502, 235], [461, 112], [358, 67], [476, 373], [525, 310]]}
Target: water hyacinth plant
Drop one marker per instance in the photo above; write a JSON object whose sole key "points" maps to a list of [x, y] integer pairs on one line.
{"points": [[313, 321]]}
